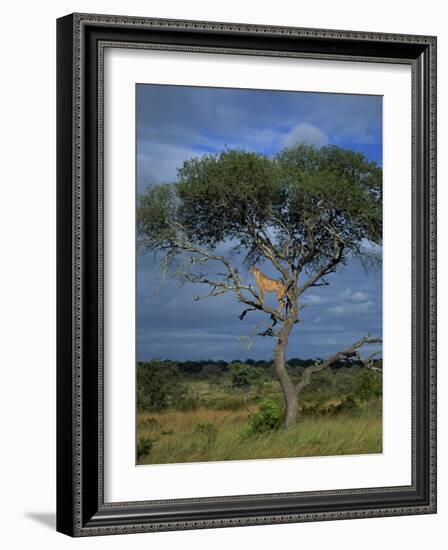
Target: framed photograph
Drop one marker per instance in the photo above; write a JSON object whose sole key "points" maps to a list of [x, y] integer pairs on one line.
{"points": [[246, 274]]}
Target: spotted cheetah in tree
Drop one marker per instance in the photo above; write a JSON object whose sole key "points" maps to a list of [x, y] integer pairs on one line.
{"points": [[266, 284]]}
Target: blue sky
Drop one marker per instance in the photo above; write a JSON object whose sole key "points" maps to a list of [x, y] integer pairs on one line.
{"points": [[176, 123]]}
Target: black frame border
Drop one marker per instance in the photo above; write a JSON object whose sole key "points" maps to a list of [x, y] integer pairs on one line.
{"points": [[81, 39]]}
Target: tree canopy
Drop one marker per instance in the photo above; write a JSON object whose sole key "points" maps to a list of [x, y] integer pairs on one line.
{"points": [[305, 207]]}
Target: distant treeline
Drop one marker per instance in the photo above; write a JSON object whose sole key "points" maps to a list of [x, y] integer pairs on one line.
{"points": [[206, 366], [222, 385]]}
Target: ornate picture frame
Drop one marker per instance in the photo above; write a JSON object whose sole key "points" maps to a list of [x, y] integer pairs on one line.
{"points": [[81, 506]]}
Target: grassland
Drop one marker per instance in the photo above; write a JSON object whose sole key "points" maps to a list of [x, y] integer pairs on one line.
{"points": [[175, 438], [215, 427]]}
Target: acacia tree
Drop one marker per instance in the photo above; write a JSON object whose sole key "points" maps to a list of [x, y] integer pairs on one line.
{"points": [[305, 211]]}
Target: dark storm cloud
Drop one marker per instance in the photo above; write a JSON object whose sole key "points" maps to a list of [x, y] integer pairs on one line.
{"points": [[177, 123]]}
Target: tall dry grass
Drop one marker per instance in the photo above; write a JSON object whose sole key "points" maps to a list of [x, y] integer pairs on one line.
{"points": [[175, 438]]}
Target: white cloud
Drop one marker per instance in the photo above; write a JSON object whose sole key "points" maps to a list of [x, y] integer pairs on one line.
{"points": [[346, 294], [357, 296], [159, 163], [351, 302], [313, 299], [351, 308], [360, 296], [305, 133]]}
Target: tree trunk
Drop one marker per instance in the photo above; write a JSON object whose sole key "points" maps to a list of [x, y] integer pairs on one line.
{"points": [[286, 384]]}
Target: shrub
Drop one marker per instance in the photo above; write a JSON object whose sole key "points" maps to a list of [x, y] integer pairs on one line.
{"points": [[188, 402], [243, 377], [267, 418], [144, 446], [316, 409], [225, 403], [348, 405], [212, 374], [316, 403], [207, 432], [159, 385], [369, 385]]}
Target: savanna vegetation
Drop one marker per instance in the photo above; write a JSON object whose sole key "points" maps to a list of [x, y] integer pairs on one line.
{"points": [[303, 214], [200, 411]]}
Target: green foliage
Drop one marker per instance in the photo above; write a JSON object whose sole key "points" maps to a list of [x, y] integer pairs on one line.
{"points": [[144, 446], [322, 382], [243, 376], [330, 186], [316, 404], [219, 193], [156, 210], [369, 385], [211, 373], [268, 417], [207, 432], [297, 195], [346, 406], [159, 386]]}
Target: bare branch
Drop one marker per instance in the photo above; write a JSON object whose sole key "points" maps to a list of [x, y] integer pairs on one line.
{"points": [[368, 362], [344, 354], [232, 281], [268, 331], [213, 292], [321, 283], [326, 269], [245, 312]]}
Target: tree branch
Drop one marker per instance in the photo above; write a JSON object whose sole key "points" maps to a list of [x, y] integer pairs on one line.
{"points": [[232, 283], [267, 248], [324, 270], [344, 354], [290, 240], [368, 362]]}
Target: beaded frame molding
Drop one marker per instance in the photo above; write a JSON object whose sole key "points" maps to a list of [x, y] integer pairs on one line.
{"points": [[81, 40]]}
